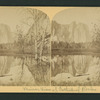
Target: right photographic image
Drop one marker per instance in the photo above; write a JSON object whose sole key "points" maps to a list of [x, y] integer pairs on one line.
{"points": [[75, 47]]}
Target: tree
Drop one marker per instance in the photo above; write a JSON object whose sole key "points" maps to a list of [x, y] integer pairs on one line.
{"points": [[96, 36], [20, 38], [39, 31]]}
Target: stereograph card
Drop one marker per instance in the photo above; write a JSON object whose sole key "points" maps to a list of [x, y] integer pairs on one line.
{"points": [[50, 49]]}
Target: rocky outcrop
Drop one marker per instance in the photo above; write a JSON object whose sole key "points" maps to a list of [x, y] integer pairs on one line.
{"points": [[73, 32]]}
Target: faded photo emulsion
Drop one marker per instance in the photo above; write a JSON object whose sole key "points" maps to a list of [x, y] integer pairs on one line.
{"points": [[50, 49]]}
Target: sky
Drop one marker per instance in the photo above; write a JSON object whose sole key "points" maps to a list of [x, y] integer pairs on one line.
{"points": [[10, 17], [86, 15]]}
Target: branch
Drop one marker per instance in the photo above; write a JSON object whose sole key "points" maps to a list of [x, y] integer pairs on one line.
{"points": [[25, 23]]}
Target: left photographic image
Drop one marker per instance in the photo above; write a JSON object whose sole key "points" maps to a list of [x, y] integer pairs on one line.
{"points": [[24, 47]]}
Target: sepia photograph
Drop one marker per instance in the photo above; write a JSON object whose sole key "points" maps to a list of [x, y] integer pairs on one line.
{"points": [[75, 47], [50, 49], [24, 47]]}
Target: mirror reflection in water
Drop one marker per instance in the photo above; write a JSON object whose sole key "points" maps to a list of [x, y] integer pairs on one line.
{"points": [[24, 71], [75, 70]]}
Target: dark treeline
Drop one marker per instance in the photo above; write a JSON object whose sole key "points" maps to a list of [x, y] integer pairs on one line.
{"points": [[22, 46], [76, 47]]}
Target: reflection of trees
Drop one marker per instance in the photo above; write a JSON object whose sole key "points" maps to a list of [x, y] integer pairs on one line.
{"points": [[70, 64], [81, 63], [5, 63], [40, 72], [22, 65], [59, 65]]}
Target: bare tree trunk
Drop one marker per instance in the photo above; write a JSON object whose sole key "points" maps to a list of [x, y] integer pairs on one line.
{"points": [[22, 69], [42, 44], [36, 39]]}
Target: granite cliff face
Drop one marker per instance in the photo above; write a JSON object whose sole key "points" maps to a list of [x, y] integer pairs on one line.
{"points": [[73, 32], [5, 34], [5, 37]]}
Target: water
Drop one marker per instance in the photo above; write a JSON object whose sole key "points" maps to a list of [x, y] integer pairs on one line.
{"points": [[74, 64], [24, 71], [75, 70]]}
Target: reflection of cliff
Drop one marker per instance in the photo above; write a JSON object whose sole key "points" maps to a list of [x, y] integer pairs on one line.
{"points": [[74, 32], [5, 64], [80, 63], [5, 34], [86, 68], [71, 64]]}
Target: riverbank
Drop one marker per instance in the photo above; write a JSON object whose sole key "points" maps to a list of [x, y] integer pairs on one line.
{"points": [[74, 52]]}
